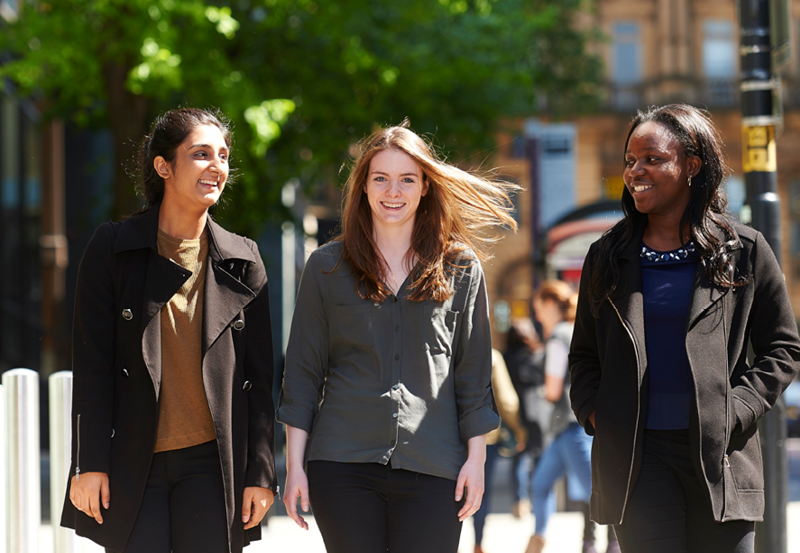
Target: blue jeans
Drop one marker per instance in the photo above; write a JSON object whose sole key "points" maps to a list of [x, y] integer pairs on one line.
{"points": [[570, 454]]}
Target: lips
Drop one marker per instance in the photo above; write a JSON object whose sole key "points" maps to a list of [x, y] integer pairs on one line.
{"points": [[209, 182]]}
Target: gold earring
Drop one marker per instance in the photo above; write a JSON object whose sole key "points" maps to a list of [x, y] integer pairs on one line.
{"points": [[689, 180]]}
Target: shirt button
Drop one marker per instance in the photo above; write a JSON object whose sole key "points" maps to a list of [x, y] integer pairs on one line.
{"points": [[394, 415], [397, 358], [395, 298], [396, 387], [397, 328]]}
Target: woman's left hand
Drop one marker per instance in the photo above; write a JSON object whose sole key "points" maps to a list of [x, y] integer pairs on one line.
{"points": [[255, 505], [471, 478]]}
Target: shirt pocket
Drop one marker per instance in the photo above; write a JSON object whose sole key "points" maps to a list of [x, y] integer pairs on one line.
{"points": [[354, 324], [440, 330]]}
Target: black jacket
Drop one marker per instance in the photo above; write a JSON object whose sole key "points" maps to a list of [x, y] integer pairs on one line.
{"points": [[608, 371], [122, 284]]}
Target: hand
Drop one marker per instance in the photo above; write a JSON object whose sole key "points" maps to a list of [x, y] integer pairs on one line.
{"points": [[89, 492], [471, 477], [591, 419], [255, 504], [296, 486]]}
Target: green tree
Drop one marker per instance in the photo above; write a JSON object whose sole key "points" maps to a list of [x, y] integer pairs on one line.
{"points": [[303, 79]]}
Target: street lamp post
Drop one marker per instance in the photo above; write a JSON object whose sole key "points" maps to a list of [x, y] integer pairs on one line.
{"points": [[759, 165]]}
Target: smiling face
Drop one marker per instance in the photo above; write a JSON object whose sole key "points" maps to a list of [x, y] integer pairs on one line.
{"points": [[657, 169], [196, 177], [394, 188]]}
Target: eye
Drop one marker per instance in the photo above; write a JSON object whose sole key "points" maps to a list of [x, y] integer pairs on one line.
{"points": [[200, 154], [409, 180], [379, 178]]}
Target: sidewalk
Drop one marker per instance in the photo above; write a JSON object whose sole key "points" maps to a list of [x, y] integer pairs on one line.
{"points": [[503, 534]]}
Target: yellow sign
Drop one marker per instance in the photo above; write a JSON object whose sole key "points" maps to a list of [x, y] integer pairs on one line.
{"points": [[614, 187], [758, 149]]}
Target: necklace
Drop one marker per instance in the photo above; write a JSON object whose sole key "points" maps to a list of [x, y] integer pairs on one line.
{"points": [[657, 257]]}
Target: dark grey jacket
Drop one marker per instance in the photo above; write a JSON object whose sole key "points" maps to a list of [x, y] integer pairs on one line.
{"points": [[608, 369], [122, 284]]}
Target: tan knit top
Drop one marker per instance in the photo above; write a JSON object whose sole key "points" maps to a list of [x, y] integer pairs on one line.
{"points": [[184, 419]]}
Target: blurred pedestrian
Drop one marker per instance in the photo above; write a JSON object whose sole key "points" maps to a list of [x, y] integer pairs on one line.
{"points": [[387, 390], [569, 454], [172, 412], [524, 357], [669, 299], [508, 407]]}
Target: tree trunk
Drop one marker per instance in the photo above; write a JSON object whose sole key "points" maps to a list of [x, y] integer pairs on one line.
{"points": [[128, 114]]}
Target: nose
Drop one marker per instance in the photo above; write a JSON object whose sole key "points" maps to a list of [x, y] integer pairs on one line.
{"points": [[394, 189]]}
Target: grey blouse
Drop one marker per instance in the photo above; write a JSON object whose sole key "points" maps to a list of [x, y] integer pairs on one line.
{"points": [[400, 382]]}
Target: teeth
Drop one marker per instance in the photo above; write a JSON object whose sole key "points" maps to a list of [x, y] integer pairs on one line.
{"points": [[211, 182], [392, 205], [642, 188]]}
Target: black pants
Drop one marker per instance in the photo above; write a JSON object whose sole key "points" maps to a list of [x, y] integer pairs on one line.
{"points": [[183, 509], [372, 508], [669, 510]]}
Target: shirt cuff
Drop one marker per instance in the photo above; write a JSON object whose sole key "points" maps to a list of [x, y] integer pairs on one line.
{"points": [[478, 423], [295, 416]]}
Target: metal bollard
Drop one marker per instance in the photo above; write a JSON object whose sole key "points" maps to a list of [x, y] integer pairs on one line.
{"points": [[60, 390], [23, 493]]}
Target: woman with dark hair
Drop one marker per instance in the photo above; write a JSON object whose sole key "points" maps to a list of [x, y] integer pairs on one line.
{"points": [[387, 394], [172, 414], [669, 299]]}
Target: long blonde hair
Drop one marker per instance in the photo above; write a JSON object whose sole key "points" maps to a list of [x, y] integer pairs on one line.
{"points": [[449, 219]]}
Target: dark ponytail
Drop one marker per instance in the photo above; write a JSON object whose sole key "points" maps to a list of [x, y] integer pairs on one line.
{"points": [[168, 132]]}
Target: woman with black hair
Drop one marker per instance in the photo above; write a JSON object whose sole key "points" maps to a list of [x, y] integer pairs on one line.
{"points": [[172, 413], [660, 375]]}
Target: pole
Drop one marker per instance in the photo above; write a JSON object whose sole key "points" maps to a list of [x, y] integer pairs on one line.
{"points": [[761, 179], [23, 495], [60, 391]]}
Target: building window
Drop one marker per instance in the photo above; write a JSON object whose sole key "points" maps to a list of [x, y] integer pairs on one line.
{"points": [[627, 64], [719, 62]]}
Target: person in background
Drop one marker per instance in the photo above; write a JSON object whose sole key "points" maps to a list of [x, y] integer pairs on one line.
{"points": [[387, 391], [569, 454], [507, 402], [670, 298], [172, 412], [524, 357]]}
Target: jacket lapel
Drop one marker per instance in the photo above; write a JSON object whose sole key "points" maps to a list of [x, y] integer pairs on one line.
{"points": [[705, 293], [225, 295], [630, 302], [162, 280]]}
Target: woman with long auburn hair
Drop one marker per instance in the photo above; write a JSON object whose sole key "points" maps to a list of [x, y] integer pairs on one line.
{"points": [[387, 391]]}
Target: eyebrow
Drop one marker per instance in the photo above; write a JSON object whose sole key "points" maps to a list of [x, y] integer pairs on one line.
{"points": [[402, 175], [205, 146]]}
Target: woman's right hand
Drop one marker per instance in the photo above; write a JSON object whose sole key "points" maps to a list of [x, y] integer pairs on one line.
{"points": [[90, 491], [296, 486]]}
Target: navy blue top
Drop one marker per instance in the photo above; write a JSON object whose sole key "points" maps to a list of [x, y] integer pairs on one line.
{"points": [[667, 281]]}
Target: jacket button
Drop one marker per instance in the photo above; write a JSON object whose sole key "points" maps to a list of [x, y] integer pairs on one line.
{"points": [[125, 372], [113, 432], [247, 385], [238, 325], [230, 267], [127, 314]]}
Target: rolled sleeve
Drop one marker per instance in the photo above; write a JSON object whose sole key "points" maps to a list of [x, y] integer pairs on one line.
{"points": [[306, 353], [473, 363]]}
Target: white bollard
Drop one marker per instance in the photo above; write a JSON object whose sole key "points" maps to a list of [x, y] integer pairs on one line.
{"points": [[60, 391], [3, 455], [23, 492]]}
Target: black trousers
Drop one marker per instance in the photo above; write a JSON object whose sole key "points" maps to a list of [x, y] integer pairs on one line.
{"points": [[669, 510], [373, 508], [183, 509]]}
